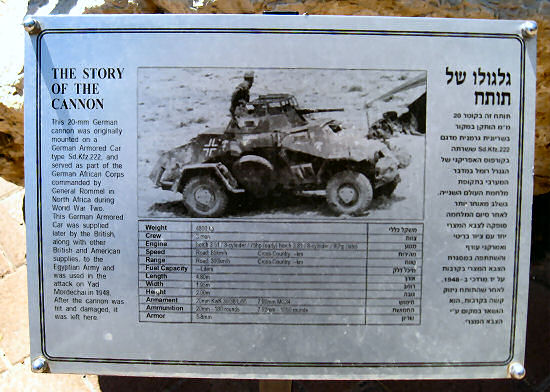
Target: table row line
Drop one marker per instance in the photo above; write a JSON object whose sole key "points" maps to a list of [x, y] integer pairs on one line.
{"points": [[183, 269], [279, 309], [275, 228], [413, 263], [288, 318], [370, 292], [224, 257], [279, 301], [279, 246], [329, 280], [281, 237]]}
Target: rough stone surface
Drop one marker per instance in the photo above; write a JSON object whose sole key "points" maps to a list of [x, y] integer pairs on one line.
{"points": [[5, 265], [117, 7], [20, 379], [14, 323], [11, 194], [7, 188], [175, 6], [78, 7], [3, 365], [92, 382], [12, 229], [11, 98]]}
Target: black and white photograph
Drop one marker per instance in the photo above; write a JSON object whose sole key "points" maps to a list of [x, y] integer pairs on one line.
{"points": [[281, 143]]}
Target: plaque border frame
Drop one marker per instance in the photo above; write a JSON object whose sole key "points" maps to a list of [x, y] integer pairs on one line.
{"points": [[363, 32]]}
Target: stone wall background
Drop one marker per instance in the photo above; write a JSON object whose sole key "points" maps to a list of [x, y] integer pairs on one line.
{"points": [[11, 46]]}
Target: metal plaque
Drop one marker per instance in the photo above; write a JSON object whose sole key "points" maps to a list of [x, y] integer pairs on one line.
{"points": [[279, 196]]}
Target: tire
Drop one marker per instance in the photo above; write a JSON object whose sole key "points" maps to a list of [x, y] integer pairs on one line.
{"points": [[387, 189], [204, 197], [349, 192], [255, 174]]}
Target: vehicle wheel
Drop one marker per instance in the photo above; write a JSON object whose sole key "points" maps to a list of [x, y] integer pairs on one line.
{"points": [[349, 192], [255, 174], [387, 189], [204, 197]]}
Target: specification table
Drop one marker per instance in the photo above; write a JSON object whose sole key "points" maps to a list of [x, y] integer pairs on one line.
{"points": [[280, 273]]}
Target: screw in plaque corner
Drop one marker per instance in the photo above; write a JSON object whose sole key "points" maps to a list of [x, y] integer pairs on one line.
{"points": [[31, 25], [516, 371], [529, 29], [39, 365]]}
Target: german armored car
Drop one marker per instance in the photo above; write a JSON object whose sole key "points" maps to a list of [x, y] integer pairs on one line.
{"points": [[274, 147]]}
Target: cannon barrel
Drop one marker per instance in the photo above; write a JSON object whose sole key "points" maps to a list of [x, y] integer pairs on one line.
{"points": [[310, 111]]}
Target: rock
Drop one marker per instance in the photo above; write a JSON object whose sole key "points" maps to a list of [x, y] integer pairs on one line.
{"points": [[178, 6], [11, 35], [11, 143], [116, 7], [11, 98], [78, 7]]}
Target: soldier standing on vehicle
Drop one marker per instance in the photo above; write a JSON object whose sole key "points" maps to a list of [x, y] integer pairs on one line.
{"points": [[241, 95]]}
